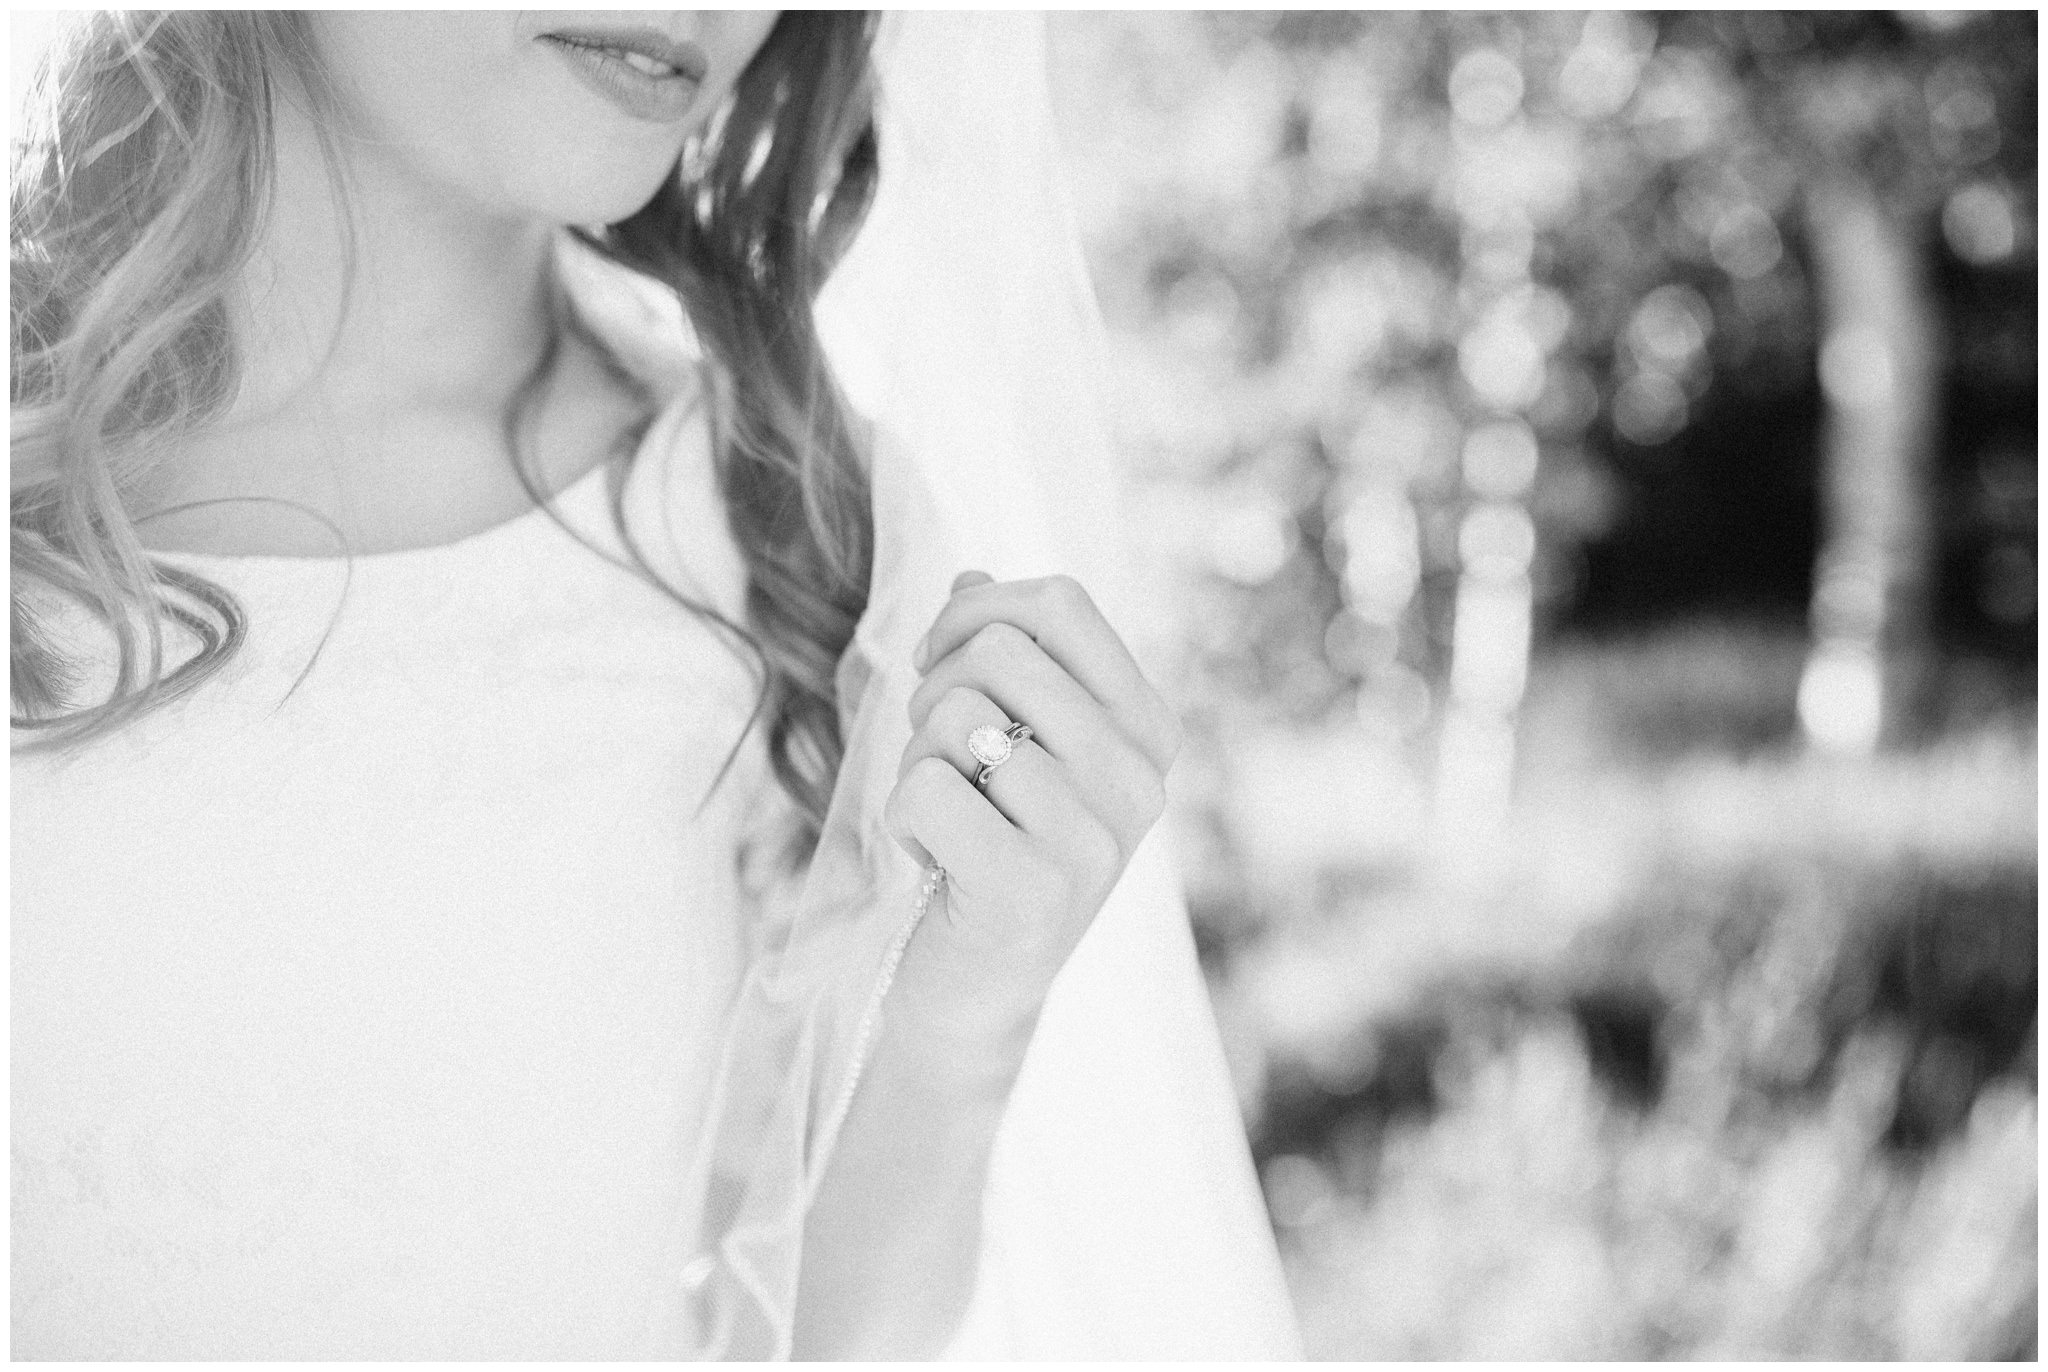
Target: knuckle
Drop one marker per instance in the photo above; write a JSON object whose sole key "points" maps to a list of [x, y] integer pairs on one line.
{"points": [[925, 779], [1048, 881], [994, 643], [1065, 593], [1137, 783], [959, 708], [1094, 857], [1101, 855]]}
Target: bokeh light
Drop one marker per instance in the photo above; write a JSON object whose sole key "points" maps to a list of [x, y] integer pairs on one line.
{"points": [[1603, 570]]}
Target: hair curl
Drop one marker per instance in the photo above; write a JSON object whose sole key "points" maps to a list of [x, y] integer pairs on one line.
{"points": [[136, 199]]}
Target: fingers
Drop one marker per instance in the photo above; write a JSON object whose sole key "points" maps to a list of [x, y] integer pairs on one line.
{"points": [[963, 711], [1033, 856], [1003, 663], [1063, 620], [1115, 779], [1030, 789], [938, 816]]}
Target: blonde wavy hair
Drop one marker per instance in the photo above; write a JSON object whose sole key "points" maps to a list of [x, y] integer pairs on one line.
{"points": [[136, 198]]}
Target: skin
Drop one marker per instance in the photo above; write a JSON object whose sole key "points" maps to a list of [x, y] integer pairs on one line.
{"points": [[1030, 862], [376, 399]]}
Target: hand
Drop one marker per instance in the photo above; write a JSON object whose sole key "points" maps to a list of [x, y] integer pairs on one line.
{"points": [[1031, 859]]}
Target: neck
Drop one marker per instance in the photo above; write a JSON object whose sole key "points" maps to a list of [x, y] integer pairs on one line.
{"points": [[382, 330], [379, 293]]}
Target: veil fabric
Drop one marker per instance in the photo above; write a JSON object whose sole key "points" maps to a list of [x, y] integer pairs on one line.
{"points": [[1121, 1217]]}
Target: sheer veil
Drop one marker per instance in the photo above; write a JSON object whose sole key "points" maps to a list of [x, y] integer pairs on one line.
{"points": [[1122, 1217]]}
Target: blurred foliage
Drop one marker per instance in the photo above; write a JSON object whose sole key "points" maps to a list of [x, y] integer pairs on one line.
{"points": [[1733, 1057], [1729, 1050], [1370, 267], [1772, 1111]]}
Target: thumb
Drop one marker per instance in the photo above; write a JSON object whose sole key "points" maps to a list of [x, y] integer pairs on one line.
{"points": [[970, 578]]}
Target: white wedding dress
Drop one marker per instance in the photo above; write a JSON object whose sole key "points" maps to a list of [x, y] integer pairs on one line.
{"points": [[419, 1009], [380, 1024]]}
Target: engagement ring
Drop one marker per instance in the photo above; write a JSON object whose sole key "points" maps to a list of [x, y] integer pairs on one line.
{"points": [[992, 747]]}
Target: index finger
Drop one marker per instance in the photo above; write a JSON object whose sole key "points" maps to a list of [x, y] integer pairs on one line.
{"points": [[1064, 620]]}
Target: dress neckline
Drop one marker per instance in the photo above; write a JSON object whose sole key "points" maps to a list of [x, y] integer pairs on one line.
{"points": [[467, 543], [645, 327]]}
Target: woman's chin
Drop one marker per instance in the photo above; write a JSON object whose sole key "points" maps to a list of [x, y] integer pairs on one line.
{"points": [[588, 195]]}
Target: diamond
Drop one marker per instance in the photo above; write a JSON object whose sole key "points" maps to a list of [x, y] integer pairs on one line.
{"points": [[990, 745]]}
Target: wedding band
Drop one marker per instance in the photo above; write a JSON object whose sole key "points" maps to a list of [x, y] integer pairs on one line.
{"points": [[992, 748]]}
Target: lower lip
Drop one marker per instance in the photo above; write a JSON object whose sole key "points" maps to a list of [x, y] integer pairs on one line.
{"points": [[656, 99]]}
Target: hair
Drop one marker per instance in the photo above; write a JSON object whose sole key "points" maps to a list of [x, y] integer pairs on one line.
{"points": [[136, 200]]}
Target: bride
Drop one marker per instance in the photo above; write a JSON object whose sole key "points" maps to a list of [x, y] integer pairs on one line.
{"points": [[526, 840]]}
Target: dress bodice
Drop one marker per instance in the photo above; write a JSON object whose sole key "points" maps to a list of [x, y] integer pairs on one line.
{"points": [[366, 1009]]}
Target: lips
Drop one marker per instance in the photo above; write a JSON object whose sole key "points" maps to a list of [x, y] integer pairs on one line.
{"points": [[642, 71]]}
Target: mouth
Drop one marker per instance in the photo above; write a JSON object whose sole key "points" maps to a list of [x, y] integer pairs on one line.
{"points": [[642, 71]]}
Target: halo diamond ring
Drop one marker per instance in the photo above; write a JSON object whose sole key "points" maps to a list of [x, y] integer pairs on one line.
{"points": [[992, 747]]}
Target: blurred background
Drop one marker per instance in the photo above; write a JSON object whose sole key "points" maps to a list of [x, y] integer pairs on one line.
{"points": [[1589, 465]]}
